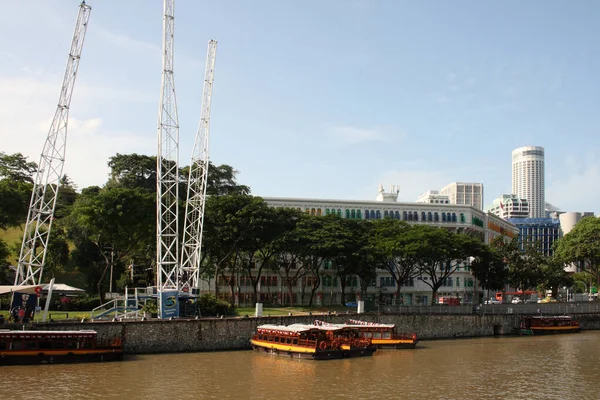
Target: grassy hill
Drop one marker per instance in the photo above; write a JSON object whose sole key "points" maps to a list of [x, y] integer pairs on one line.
{"points": [[12, 236]]}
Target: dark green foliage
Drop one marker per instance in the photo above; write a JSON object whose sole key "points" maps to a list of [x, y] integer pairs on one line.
{"points": [[211, 306]]}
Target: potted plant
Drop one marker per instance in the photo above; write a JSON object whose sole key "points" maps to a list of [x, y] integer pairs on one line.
{"points": [[150, 309]]}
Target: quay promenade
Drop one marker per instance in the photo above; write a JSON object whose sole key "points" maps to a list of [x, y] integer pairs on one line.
{"points": [[222, 334]]}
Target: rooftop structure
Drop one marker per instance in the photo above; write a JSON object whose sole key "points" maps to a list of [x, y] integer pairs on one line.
{"points": [[464, 193]]}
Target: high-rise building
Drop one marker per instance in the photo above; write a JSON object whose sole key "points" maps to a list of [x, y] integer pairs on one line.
{"points": [[470, 194], [528, 178], [509, 206]]}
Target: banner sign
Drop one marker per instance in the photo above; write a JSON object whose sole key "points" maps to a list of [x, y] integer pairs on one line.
{"points": [[25, 302], [169, 304]]}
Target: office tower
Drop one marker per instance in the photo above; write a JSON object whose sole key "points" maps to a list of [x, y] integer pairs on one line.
{"points": [[528, 178], [470, 194]]}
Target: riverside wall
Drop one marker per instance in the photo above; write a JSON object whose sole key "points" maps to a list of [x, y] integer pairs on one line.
{"points": [[215, 334]]}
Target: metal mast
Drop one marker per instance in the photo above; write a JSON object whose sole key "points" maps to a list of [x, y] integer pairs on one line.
{"points": [[47, 179], [189, 278], [167, 164]]}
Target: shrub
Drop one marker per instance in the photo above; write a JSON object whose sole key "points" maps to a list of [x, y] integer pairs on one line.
{"points": [[211, 306]]}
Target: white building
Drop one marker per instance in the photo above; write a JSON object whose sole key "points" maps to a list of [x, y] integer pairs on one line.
{"points": [[509, 206], [433, 197], [528, 180], [456, 218], [464, 193]]}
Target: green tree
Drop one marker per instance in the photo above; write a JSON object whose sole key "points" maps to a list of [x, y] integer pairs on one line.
{"points": [[16, 168], [440, 254], [396, 246], [489, 268], [132, 171], [120, 219], [582, 246], [554, 276]]}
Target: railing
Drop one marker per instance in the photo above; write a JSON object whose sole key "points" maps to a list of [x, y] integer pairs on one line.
{"points": [[117, 308], [508, 308]]}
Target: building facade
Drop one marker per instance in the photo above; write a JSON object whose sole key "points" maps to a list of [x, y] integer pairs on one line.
{"points": [[456, 218], [464, 193], [541, 232], [528, 178], [509, 206], [433, 197]]}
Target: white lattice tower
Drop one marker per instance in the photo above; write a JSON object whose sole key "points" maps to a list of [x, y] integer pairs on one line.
{"points": [[167, 160], [48, 176], [189, 278]]}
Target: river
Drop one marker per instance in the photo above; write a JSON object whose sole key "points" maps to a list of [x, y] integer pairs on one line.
{"points": [[545, 367]]}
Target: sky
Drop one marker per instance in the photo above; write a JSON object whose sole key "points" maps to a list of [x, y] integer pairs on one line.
{"points": [[321, 99]]}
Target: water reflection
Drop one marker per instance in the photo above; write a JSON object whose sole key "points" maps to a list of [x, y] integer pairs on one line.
{"points": [[553, 367]]}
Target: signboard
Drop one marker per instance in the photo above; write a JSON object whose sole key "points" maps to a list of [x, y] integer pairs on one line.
{"points": [[25, 302], [169, 304]]}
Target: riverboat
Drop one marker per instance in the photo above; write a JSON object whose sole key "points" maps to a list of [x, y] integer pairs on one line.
{"points": [[311, 341], [546, 325], [383, 336], [50, 347]]}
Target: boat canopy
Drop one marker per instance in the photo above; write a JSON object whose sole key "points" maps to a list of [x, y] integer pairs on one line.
{"points": [[298, 328]]}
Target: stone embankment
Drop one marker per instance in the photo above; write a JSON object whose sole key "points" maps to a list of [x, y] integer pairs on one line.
{"points": [[213, 334]]}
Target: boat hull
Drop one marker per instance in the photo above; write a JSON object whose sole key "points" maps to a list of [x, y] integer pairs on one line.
{"points": [[315, 354], [549, 330], [63, 358], [395, 344]]}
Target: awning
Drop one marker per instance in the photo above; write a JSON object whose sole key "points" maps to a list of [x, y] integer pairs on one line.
{"points": [[22, 289]]}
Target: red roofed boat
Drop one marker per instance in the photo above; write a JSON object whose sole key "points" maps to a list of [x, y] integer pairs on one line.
{"points": [[49, 347], [311, 341], [384, 336], [547, 325]]}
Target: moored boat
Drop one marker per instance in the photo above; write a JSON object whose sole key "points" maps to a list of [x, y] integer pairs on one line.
{"points": [[49, 347], [311, 341], [546, 325], [383, 336]]}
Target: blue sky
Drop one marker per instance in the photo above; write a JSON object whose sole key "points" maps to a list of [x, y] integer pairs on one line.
{"points": [[322, 99]]}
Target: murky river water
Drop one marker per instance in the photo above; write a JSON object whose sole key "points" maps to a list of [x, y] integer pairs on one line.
{"points": [[551, 367]]}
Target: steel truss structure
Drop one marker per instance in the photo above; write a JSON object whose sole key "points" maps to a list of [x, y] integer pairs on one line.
{"points": [[49, 174], [167, 160], [189, 273]]}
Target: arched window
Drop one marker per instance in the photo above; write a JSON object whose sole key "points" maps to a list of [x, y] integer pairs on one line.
{"points": [[366, 214], [423, 216], [359, 214], [397, 215], [416, 216], [453, 217], [353, 214], [327, 211], [372, 214], [319, 212], [386, 214], [444, 217], [313, 212], [347, 214], [378, 214], [436, 217], [307, 211], [429, 216], [410, 218], [404, 216], [339, 213], [462, 218]]}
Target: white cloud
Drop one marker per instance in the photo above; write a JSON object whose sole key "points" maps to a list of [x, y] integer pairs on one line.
{"points": [[354, 135], [27, 106]]}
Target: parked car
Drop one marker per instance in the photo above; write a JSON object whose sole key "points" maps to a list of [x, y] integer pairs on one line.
{"points": [[546, 300], [516, 300], [493, 301]]}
